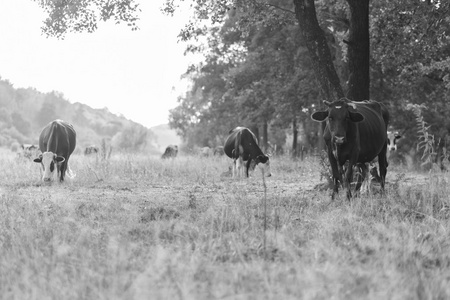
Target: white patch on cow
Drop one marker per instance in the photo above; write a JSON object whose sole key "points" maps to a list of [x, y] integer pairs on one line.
{"points": [[238, 167], [338, 107], [352, 105]]}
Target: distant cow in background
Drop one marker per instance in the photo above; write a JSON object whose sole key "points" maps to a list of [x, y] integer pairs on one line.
{"points": [[219, 151], [171, 152], [57, 142], [29, 151], [242, 146], [91, 150], [206, 151]]}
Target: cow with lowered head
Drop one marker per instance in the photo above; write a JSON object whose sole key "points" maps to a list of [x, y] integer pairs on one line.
{"points": [[171, 152], [355, 132], [56, 142], [242, 146]]}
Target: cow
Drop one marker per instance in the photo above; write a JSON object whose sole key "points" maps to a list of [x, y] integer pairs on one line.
{"points": [[206, 151], [393, 136], [57, 142], [355, 132], [29, 151], [242, 146], [371, 169], [91, 150], [171, 152], [218, 151]]}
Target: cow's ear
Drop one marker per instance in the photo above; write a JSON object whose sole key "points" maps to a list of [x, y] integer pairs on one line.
{"points": [[356, 117], [319, 116], [38, 160], [60, 159]]}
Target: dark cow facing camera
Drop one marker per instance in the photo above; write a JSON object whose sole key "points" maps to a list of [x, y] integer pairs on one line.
{"points": [[242, 146], [57, 142], [171, 152], [91, 150], [355, 132]]}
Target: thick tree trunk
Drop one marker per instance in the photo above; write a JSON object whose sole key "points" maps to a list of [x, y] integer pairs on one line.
{"points": [[358, 51], [265, 136], [255, 129], [318, 49], [295, 138]]}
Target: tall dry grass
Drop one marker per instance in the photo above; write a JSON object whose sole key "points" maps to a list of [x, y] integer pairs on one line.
{"points": [[138, 227]]}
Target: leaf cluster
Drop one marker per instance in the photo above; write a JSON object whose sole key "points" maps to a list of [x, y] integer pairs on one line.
{"points": [[84, 15]]}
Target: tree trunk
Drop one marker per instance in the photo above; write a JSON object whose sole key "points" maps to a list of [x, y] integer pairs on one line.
{"points": [[255, 130], [295, 138], [318, 49], [265, 136], [358, 51]]}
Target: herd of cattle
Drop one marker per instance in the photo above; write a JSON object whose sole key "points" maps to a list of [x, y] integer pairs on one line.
{"points": [[355, 134]]}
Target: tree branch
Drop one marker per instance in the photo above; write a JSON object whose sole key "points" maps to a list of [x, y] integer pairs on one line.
{"points": [[280, 8]]}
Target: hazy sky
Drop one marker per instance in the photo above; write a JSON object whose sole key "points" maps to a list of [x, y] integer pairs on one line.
{"points": [[130, 72]]}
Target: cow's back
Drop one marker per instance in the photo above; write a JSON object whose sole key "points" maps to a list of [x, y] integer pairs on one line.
{"points": [[58, 137], [241, 139]]}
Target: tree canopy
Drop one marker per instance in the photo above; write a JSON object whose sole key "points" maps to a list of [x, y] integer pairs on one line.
{"points": [[84, 15], [270, 63]]}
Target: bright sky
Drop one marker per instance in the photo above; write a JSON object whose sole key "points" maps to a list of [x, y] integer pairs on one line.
{"points": [[130, 72]]}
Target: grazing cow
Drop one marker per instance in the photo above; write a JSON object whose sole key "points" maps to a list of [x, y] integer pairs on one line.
{"points": [[355, 132], [393, 136], [206, 151], [218, 151], [171, 152], [91, 150], [29, 151], [57, 142], [242, 146]]}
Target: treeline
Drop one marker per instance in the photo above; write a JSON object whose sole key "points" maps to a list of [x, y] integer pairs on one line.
{"points": [[24, 112], [257, 72]]}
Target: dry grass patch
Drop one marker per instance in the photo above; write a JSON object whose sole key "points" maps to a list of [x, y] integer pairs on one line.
{"points": [[136, 227]]}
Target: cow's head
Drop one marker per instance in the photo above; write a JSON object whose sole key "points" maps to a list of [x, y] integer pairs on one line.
{"points": [[339, 115], [264, 164], [393, 136], [49, 161]]}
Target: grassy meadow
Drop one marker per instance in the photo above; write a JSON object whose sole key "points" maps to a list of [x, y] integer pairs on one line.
{"points": [[138, 227]]}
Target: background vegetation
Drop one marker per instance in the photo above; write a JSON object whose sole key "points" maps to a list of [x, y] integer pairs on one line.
{"points": [[24, 112], [258, 70]]}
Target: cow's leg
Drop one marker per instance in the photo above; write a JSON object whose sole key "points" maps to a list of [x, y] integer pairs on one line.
{"points": [[239, 164], [361, 177], [337, 176], [347, 177], [383, 164], [234, 169], [247, 166], [62, 170]]}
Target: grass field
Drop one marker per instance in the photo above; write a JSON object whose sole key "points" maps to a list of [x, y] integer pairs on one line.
{"points": [[135, 227]]}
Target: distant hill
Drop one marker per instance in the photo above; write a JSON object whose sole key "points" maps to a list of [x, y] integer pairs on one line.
{"points": [[165, 136], [24, 112]]}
